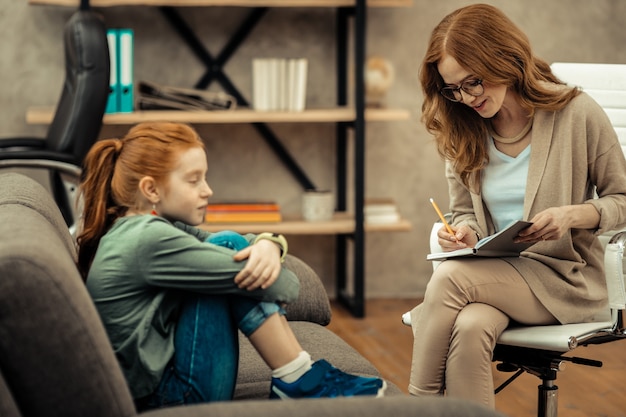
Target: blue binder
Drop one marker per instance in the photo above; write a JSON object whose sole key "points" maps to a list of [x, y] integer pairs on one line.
{"points": [[114, 88], [125, 62]]}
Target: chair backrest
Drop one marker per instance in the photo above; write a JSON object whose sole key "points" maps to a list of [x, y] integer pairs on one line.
{"points": [[606, 83], [78, 117]]}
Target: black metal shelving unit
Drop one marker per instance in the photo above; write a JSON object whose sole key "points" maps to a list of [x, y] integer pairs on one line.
{"points": [[352, 298], [351, 19]]}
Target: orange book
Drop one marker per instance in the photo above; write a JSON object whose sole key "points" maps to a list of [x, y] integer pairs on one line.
{"points": [[243, 207], [243, 217]]}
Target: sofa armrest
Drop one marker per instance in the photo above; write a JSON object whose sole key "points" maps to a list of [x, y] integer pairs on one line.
{"points": [[312, 303], [397, 406]]}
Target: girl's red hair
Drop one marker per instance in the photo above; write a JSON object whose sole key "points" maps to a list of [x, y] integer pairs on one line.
{"points": [[113, 169]]}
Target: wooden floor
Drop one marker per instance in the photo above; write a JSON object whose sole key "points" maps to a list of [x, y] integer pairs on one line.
{"points": [[583, 391]]}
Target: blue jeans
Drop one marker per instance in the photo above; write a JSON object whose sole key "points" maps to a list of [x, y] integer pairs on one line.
{"points": [[206, 345]]}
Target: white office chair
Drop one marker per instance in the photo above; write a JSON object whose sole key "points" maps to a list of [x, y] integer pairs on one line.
{"points": [[540, 350]]}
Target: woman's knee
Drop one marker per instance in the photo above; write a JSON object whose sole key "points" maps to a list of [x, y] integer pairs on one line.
{"points": [[477, 321], [444, 278]]}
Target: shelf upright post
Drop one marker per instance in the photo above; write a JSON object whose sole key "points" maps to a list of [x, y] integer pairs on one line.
{"points": [[341, 61], [359, 157], [355, 299]]}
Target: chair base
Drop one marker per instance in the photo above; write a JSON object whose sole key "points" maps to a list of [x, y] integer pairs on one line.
{"points": [[541, 363]]}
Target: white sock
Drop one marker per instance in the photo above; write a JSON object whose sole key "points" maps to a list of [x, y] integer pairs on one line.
{"points": [[293, 370]]}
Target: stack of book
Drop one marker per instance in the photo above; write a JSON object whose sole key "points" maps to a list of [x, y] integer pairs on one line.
{"points": [[279, 84], [243, 212], [380, 211]]}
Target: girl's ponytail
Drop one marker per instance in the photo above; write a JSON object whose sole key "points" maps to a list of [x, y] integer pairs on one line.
{"points": [[99, 210]]}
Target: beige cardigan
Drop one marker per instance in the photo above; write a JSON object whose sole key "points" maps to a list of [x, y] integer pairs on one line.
{"points": [[572, 150]]}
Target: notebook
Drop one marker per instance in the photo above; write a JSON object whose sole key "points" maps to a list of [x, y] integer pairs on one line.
{"points": [[495, 246]]}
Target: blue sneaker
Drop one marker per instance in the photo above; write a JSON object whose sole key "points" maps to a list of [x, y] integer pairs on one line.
{"points": [[324, 380]]}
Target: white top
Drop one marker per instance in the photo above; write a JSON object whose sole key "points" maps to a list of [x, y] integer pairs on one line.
{"points": [[504, 185]]}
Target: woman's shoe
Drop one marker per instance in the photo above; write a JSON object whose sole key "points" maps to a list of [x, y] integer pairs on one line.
{"points": [[406, 318]]}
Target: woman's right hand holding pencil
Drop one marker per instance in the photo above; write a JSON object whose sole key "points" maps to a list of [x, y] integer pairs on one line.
{"points": [[461, 237], [452, 239]]}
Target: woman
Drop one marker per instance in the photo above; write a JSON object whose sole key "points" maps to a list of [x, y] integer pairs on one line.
{"points": [[171, 303], [518, 145]]}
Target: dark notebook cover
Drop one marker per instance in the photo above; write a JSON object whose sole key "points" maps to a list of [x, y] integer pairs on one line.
{"points": [[495, 246]]}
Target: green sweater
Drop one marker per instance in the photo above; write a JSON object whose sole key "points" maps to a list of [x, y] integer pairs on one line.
{"points": [[142, 265]]}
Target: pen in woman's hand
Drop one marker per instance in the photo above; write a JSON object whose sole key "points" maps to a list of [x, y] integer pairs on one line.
{"points": [[443, 219]]}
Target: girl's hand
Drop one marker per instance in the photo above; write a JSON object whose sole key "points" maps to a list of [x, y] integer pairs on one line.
{"points": [[463, 237], [262, 268]]}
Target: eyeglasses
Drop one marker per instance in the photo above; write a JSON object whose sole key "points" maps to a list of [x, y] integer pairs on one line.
{"points": [[472, 87]]}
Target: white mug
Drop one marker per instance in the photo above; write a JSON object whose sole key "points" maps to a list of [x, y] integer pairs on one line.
{"points": [[317, 206]]}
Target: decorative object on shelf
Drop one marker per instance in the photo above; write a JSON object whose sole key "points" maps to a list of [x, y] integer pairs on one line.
{"points": [[318, 205], [379, 76], [279, 84], [380, 211], [243, 212], [153, 96]]}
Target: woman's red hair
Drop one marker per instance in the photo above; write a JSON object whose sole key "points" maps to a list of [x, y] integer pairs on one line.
{"points": [[490, 46]]}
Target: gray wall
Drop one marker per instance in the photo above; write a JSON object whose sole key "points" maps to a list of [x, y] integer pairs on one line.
{"points": [[401, 162]]}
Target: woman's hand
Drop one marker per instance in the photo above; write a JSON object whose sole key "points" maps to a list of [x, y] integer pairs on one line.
{"points": [[463, 237], [262, 268], [553, 223], [550, 224]]}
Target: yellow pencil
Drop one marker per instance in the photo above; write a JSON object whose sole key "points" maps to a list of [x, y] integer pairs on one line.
{"points": [[443, 219]]}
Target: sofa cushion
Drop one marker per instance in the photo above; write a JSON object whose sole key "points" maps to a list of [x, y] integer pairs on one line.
{"points": [[54, 353], [8, 408], [312, 303], [398, 406]]}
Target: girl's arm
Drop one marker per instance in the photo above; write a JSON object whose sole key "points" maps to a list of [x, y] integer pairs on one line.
{"points": [[176, 259]]}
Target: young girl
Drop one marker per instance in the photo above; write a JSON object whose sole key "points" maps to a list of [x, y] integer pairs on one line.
{"points": [[172, 303]]}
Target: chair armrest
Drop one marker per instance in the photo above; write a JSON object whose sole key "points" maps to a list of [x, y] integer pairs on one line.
{"points": [[435, 247], [9, 144], [614, 270], [312, 303], [63, 167], [397, 406]]}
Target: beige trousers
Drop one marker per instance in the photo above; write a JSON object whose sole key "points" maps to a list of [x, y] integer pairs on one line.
{"points": [[467, 305]]}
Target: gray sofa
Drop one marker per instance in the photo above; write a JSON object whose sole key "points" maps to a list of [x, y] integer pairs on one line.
{"points": [[55, 358]]}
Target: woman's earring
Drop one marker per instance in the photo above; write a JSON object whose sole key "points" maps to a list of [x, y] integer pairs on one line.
{"points": [[154, 212]]}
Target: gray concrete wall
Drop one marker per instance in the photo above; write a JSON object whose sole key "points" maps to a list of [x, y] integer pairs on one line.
{"points": [[401, 162]]}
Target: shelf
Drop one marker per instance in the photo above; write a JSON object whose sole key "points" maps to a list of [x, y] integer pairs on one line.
{"points": [[232, 3], [43, 116], [351, 16], [342, 223]]}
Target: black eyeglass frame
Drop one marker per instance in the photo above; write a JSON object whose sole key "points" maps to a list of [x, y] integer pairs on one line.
{"points": [[467, 87]]}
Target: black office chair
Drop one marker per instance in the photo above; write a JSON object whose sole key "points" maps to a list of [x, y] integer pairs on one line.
{"points": [[78, 116]]}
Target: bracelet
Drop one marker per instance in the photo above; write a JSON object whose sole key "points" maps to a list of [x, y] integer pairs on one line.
{"points": [[276, 238]]}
